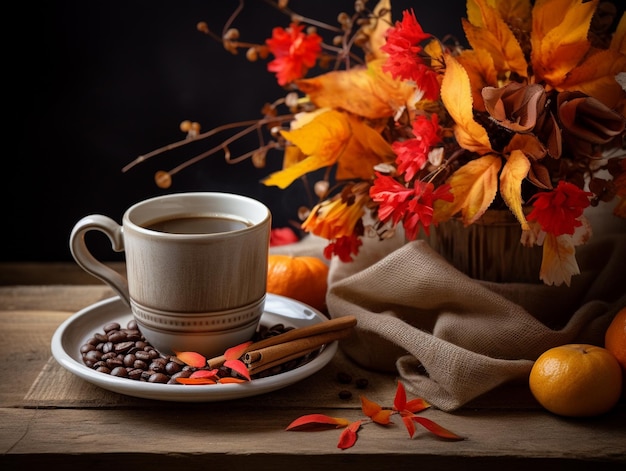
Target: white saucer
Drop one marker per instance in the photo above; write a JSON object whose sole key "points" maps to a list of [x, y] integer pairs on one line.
{"points": [[75, 331]]}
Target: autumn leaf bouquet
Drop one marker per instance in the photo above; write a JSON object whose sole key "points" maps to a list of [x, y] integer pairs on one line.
{"points": [[414, 130]]}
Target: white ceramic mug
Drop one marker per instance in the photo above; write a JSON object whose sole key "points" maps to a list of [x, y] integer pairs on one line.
{"points": [[196, 266]]}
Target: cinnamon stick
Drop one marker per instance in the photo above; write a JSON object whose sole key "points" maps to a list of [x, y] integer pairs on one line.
{"points": [[261, 359], [332, 325]]}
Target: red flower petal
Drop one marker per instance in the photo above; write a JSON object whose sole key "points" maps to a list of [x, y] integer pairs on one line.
{"points": [[316, 421]]}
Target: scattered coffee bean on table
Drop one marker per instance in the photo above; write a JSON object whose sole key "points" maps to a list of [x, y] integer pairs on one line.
{"points": [[124, 352]]}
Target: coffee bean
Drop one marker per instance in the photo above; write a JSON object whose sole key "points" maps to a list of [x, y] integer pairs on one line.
{"points": [[129, 359], [140, 364], [111, 326], [172, 367], [119, 371], [142, 355], [345, 394], [158, 378], [87, 348], [123, 347], [117, 336], [135, 373]]}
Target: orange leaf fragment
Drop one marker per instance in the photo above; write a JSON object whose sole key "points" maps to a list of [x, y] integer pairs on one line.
{"points": [[409, 424], [417, 405], [230, 379], [436, 428], [201, 380], [349, 436], [191, 358], [204, 373], [239, 367], [399, 402], [316, 421]]}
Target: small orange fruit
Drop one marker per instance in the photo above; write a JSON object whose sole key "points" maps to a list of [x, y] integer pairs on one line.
{"points": [[615, 338], [302, 278], [576, 380], [615, 342]]}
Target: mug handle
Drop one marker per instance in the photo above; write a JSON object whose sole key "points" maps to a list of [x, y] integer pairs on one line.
{"points": [[84, 258]]}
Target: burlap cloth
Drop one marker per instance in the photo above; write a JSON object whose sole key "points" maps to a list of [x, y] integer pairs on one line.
{"points": [[451, 338]]}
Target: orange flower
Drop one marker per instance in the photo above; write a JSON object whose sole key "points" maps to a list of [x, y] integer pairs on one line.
{"points": [[335, 218]]}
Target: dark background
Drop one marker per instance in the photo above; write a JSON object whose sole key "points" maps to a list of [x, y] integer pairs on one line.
{"points": [[94, 84]]}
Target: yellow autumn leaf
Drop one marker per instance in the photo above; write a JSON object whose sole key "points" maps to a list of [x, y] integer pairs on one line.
{"points": [[558, 264], [474, 187], [481, 73], [333, 137], [365, 91], [513, 173], [559, 37], [517, 12], [456, 94], [493, 35], [595, 77], [511, 11]]}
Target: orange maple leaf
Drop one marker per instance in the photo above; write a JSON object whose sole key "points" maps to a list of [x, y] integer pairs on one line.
{"points": [[364, 91]]}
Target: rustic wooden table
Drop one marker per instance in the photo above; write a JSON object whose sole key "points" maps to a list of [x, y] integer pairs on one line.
{"points": [[52, 418]]}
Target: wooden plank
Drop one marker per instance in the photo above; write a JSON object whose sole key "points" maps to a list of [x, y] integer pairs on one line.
{"points": [[218, 433], [24, 349]]}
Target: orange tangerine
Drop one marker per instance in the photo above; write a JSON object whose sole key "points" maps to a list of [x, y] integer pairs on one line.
{"points": [[615, 342], [576, 380], [615, 338]]}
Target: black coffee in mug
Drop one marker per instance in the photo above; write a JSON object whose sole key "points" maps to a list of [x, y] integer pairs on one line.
{"points": [[197, 225]]}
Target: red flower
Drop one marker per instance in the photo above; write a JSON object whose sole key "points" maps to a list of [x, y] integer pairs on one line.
{"points": [[393, 197], [414, 207], [557, 211], [295, 52], [344, 247], [421, 207], [413, 153], [404, 61]]}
